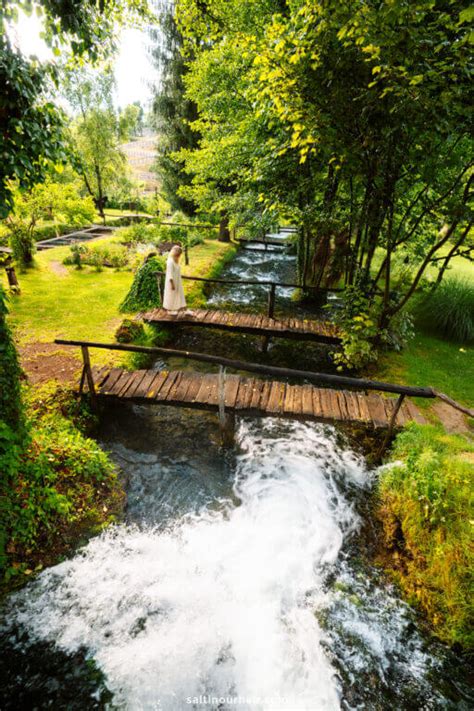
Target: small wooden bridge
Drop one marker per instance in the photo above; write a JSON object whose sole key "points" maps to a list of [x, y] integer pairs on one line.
{"points": [[322, 397], [254, 324]]}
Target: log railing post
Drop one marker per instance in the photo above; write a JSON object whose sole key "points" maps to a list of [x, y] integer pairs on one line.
{"points": [[88, 374], [186, 254], [161, 285], [271, 300], [391, 425]]}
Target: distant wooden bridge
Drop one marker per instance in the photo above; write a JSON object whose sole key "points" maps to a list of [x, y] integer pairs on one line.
{"points": [[322, 397], [254, 324]]}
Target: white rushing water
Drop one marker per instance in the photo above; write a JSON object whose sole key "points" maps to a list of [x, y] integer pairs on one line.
{"points": [[221, 603]]}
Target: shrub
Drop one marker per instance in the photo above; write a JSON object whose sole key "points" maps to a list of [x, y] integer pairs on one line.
{"points": [[144, 292], [10, 372], [449, 310], [129, 331], [425, 507], [358, 331], [98, 256], [140, 233]]}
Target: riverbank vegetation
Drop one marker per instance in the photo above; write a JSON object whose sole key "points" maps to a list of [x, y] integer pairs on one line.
{"points": [[57, 485], [425, 509]]}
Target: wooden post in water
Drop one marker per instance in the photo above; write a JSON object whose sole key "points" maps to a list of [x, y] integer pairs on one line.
{"points": [[226, 419], [88, 373], [271, 300]]}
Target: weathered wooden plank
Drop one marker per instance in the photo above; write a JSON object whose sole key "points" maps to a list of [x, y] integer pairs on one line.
{"points": [[363, 407], [257, 391], [179, 391], [335, 404], [318, 411], [377, 410], [193, 388], [277, 398], [298, 400], [267, 386], [144, 387], [132, 390], [155, 385], [232, 383], [110, 380], [120, 381], [352, 406], [126, 382], [307, 400], [289, 400], [203, 392], [167, 387]]}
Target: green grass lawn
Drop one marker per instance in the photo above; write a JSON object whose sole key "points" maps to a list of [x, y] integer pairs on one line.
{"points": [[430, 361], [63, 302]]}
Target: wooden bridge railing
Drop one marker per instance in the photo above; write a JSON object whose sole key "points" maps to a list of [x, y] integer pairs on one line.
{"points": [[273, 285], [324, 379]]}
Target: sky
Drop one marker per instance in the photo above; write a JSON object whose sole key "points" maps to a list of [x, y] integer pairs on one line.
{"points": [[133, 69]]}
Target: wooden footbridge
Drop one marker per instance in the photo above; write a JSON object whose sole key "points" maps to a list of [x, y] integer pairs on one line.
{"points": [[267, 325], [321, 397], [254, 324]]}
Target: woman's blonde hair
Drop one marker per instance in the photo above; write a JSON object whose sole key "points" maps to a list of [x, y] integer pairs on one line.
{"points": [[176, 249]]}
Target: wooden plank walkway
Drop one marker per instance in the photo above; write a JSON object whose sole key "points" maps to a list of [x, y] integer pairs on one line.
{"points": [[255, 324], [250, 396]]}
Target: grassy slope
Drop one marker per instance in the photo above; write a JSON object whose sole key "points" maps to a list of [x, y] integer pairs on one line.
{"points": [[429, 360], [84, 304]]}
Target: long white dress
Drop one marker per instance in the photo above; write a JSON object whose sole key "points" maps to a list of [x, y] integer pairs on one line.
{"points": [[173, 299]]}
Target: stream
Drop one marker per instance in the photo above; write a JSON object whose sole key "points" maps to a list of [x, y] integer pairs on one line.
{"points": [[237, 580]]}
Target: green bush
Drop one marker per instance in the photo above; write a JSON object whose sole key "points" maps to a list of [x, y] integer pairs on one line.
{"points": [[10, 372], [358, 330], [144, 292], [129, 331], [51, 481], [425, 506], [449, 310], [98, 256], [140, 233]]}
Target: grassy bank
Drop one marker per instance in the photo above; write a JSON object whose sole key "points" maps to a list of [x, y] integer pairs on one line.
{"points": [[57, 487], [425, 507], [431, 361], [63, 302]]}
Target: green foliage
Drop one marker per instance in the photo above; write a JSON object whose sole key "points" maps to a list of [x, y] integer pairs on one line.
{"points": [[328, 113], [54, 479], [31, 126], [144, 292], [10, 372], [425, 506], [140, 233], [449, 310], [173, 115], [98, 256], [129, 331], [358, 332]]}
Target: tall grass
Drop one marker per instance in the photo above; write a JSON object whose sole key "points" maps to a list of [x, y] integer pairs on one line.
{"points": [[449, 310]]}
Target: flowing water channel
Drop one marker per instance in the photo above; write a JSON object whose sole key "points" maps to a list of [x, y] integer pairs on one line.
{"points": [[238, 580]]}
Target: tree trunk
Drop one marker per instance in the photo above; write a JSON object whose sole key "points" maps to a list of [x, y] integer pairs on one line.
{"points": [[224, 232]]}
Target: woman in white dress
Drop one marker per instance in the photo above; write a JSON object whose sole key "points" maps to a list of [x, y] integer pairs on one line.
{"points": [[173, 297]]}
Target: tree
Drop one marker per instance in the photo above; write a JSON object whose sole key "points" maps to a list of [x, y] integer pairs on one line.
{"points": [[51, 200], [350, 118], [130, 121], [173, 114], [95, 133], [31, 126]]}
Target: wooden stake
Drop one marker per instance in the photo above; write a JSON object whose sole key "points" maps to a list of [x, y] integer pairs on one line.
{"points": [[89, 376]]}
